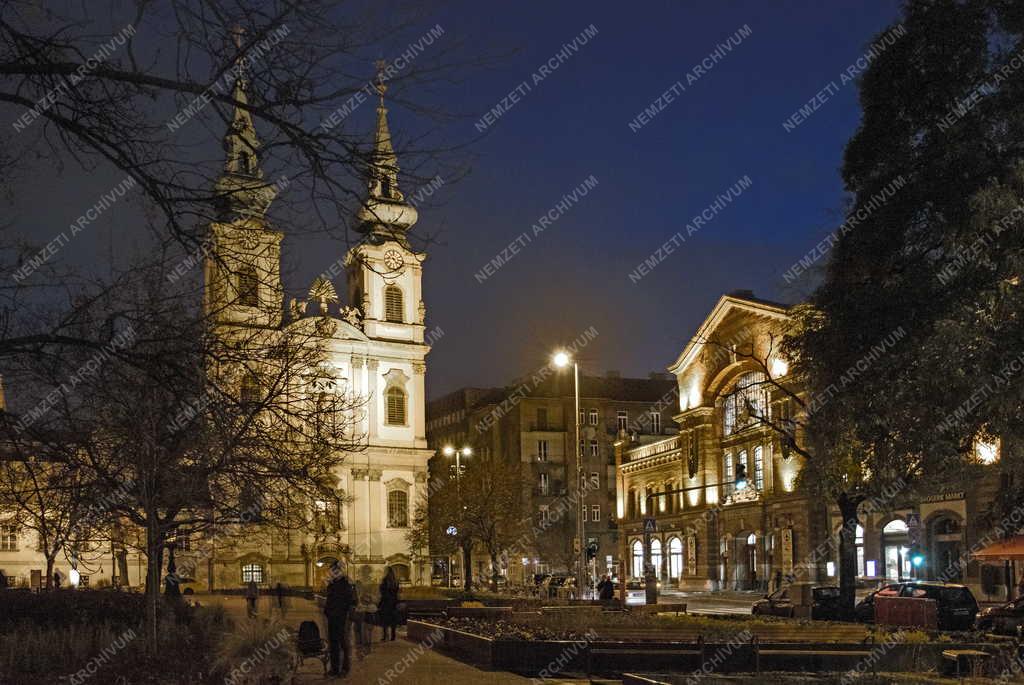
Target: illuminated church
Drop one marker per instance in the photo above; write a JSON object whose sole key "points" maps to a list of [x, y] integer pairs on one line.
{"points": [[374, 348]]}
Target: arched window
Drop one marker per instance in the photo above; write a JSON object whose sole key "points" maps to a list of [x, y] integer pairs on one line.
{"points": [[656, 557], [729, 473], [393, 304], [638, 559], [395, 406], [895, 526], [248, 286], [759, 468], [249, 391], [398, 509], [675, 558], [747, 404]]}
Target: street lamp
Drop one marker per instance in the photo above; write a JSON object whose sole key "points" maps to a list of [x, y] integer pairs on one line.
{"points": [[562, 359], [458, 453]]}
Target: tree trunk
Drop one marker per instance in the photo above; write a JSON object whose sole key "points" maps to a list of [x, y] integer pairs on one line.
{"points": [[153, 562], [848, 552], [494, 572], [467, 571], [48, 581]]}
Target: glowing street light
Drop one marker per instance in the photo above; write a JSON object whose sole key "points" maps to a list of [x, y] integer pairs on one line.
{"points": [[561, 359]]}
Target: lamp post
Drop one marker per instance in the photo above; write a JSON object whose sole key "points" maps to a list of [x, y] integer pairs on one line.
{"points": [[562, 360], [458, 453]]}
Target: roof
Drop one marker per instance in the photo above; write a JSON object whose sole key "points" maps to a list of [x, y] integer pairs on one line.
{"points": [[742, 300]]}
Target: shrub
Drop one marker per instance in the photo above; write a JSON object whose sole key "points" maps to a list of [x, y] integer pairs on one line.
{"points": [[60, 608], [257, 652]]}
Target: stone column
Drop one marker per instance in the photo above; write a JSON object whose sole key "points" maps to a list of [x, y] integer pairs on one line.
{"points": [[373, 395], [418, 399]]}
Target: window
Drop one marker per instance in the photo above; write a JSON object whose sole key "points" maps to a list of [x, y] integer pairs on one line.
{"points": [[729, 477], [542, 418], [542, 450], [248, 287], [595, 480], [656, 557], [252, 573], [545, 483], [675, 558], [621, 420], [8, 538], [327, 515], [655, 423], [638, 559], [393, 304], [249, 391], [543, 514], [593, 417], [759, 468], [583, 418], [395, 407], [398, 509], [747, 405], [182, 543], [585, 519], [595, 512], [593, 448]]}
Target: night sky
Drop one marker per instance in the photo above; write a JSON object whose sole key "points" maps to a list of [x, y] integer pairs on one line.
{"points": [[650, 184]]}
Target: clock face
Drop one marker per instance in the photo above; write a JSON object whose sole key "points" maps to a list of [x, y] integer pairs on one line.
{"points": [[393, 260]]}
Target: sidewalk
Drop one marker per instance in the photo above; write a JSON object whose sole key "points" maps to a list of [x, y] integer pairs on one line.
{"points": [[402, 661]]}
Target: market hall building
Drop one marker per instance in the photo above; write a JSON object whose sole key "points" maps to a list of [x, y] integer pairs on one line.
{"points": [[712, 536]]}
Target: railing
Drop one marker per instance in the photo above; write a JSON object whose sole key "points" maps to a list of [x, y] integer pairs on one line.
{"points": [[654, 448]]}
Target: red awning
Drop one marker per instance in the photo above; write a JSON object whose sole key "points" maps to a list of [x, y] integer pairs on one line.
{"points": [[1008, 549]]}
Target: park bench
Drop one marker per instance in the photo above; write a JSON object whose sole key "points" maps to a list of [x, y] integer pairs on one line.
{"points": [[973, 659], [853, 655], [634, 649]]}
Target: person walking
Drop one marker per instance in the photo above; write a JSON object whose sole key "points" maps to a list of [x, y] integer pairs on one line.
{"points": [[341, 598], [279, 592], [605, 589], [387, 607], [252, 593]]}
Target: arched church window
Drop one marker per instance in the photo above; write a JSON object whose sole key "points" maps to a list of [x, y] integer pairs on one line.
{"points": [[398, 509], [248, 286], [249, 391], [393, 304], [395, 407]]}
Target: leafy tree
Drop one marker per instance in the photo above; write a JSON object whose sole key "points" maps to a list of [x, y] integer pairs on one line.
{"points": [[937, 261]]}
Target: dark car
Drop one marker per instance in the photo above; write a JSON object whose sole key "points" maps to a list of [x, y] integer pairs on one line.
{"points": [[824, 602], [865, 609], [956, 605], [1006, 619]]}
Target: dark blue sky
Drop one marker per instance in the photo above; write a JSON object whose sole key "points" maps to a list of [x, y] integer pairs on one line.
{"points": [[575, 124], [650, 183]]}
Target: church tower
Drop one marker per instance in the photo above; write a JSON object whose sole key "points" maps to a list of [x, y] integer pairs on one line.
{"points": [[243, 265], [383, 272]]}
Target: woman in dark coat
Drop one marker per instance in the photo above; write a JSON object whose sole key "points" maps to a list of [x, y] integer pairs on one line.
{"points": [[387, 607]]}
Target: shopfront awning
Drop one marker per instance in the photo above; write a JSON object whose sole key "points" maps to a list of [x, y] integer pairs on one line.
{"points": [[1011, 549]]}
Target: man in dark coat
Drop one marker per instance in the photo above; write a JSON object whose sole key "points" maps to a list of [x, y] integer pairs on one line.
{"points": [[606, 589], [341, 599]]}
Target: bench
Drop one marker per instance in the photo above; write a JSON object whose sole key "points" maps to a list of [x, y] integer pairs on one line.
{"points": [[632, 650], [855, 654], [974, 658]]}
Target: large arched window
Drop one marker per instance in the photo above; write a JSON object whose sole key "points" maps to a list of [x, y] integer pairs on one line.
{"points": [[638, 559], [393, 304], [747, 404], [395, 406], [398, 509], [759, 468], [675, 558], [656, 557]]}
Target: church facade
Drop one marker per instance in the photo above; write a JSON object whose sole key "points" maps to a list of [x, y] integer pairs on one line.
{"points": [[373, 349]]}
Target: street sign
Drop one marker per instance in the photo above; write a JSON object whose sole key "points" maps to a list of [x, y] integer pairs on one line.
{"points": [[650, 526]]}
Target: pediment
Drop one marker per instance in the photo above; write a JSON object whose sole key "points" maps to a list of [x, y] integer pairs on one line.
{"points": [[326, 327]]}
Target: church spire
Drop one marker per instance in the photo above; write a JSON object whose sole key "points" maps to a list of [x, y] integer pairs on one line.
{"points": [[385, 212], [240, 188]]}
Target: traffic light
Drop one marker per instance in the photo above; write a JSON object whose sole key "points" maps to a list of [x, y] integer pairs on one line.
{"points": [[916, 557], [741, 476], [591, 551]]}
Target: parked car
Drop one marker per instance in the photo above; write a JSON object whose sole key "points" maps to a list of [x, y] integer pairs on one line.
{"points": [[1006, 619], [865, 609], [956, 605], [638, 584], [824, 602]]}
